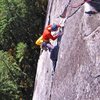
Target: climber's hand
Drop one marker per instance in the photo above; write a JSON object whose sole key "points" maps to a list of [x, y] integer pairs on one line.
{"points": [[62, 22], [62, 25]]}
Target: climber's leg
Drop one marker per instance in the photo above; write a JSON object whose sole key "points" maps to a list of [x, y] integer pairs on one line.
{"points": [[54, 56], [54, 65], [50, 46], [46, 45]]}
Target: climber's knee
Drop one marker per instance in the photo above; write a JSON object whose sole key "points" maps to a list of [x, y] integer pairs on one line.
{"points": [[43, 46], [46, 46]]}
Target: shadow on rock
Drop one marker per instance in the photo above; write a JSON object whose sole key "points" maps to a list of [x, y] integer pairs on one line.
{"points": [[95, 4]]}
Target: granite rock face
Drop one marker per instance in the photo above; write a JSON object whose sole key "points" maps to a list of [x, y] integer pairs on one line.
{"points": [[77, 75]]}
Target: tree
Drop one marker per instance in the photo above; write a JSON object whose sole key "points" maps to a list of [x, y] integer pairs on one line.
{"points": [[9, 76], [21, 23]]}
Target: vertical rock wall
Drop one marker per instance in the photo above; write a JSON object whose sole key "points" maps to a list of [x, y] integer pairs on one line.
{"points": [[77, 75]]}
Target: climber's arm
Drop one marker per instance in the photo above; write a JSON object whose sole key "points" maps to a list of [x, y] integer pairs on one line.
{"points": [[56, 35], [53, 37]]}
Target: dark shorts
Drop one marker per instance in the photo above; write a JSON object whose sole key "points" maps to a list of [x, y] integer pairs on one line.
{"points": [[44, 45]]}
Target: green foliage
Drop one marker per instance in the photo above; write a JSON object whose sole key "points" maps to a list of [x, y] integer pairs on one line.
{"points": [[21, 23], [9, 73], [21, 48]]}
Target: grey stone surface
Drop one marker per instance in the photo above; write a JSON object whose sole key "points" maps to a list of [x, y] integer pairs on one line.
{"points": [[77, 75]]}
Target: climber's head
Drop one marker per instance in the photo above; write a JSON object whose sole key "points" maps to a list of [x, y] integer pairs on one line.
{"points": [[54, 27]]}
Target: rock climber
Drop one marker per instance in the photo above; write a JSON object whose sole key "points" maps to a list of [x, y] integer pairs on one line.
{"points": [[44, 40]]}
